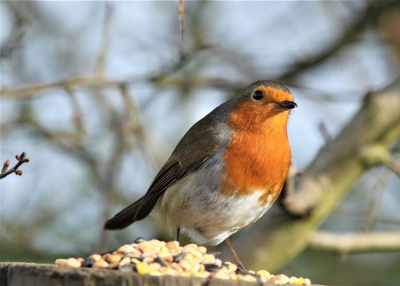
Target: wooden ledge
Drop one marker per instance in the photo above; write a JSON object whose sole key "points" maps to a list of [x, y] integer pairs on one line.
{"points": [[17, 274]]}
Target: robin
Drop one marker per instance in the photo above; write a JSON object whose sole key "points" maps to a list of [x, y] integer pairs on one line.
{"points": [[226, 171]]}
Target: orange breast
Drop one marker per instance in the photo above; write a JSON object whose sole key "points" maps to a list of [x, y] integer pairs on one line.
{"points": [[257, 157]]}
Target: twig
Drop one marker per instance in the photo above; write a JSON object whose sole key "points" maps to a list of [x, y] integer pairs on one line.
{"points": [[78, 81], [77, 113], [355, 243], [21, 160], [182, 17], [162, 78], [324, 132], [94, 81], [105, 41]]}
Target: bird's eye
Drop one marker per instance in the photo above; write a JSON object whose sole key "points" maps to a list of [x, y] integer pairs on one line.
{"points": [[257, 95]]}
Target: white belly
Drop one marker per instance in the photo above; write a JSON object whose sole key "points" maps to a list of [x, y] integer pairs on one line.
{"points": [[207, 216], [229, 215]]}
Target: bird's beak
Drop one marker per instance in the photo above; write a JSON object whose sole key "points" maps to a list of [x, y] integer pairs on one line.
{"points": [[286, 104]]}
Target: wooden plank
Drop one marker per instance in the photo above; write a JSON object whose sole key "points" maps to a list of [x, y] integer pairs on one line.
{"points": [[18, 274]]}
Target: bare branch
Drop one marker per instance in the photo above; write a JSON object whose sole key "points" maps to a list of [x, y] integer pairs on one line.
{"points": [[355, 243], [73, 82], [77, 113], [21, 159], [95, 81], [182, 17], [324, 132], [163, 78], [105, 42]]}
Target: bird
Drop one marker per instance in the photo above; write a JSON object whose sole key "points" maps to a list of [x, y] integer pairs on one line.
{"points": [[226, 171]]}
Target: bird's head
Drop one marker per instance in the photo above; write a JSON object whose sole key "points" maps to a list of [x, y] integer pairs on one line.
{"points": [[262, 102]]}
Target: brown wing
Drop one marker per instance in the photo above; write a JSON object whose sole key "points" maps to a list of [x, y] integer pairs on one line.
{"points": [[195, 148], [142, 207]]}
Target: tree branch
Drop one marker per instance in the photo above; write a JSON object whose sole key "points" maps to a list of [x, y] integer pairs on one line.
{"points": [[105, 40], [182, 17], [97, 81], [73, 82], [355, 243], [21, 159]]}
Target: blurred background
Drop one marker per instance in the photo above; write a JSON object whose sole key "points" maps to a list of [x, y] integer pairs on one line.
{"points": [[98, 93]]}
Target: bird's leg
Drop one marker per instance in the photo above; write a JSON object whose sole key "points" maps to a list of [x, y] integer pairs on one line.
{"points": [[238, 261], [178, 230]]}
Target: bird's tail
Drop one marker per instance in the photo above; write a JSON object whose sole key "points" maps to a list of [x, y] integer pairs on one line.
{"points": [[126, 217]]}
